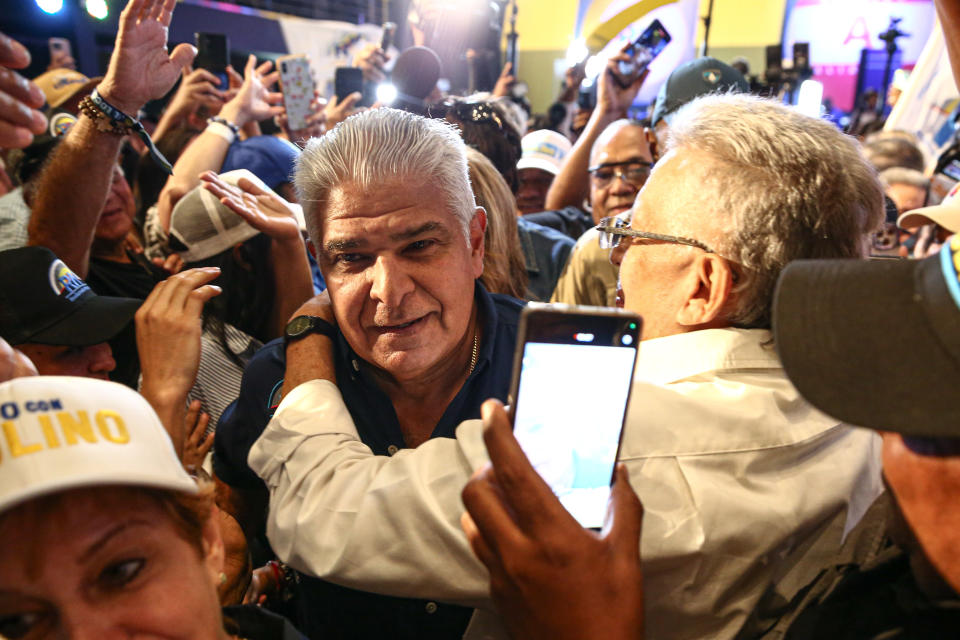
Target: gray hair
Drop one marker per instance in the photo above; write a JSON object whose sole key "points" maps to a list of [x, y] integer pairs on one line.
{"points": [[384, 144], [903, 175], [791, 187]]}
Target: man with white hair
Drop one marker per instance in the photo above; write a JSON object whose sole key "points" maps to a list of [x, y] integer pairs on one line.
{"points": [[745, 486], [417, 343]]}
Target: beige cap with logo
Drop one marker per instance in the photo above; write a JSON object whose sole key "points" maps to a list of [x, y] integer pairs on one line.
{"points": [[59, 85], [60, 432]]}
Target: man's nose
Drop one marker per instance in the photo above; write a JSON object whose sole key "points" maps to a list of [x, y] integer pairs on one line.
{"points": [[391, 282], [619, 184], [100, 360]]}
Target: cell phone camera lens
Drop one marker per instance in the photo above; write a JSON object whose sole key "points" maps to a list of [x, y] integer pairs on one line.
{"points": [[626, 340]]}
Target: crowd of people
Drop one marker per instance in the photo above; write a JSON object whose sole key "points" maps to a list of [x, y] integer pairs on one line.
{"points": [[252, 383]]}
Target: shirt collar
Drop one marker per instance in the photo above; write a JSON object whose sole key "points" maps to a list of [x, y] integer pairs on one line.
{"points": [[674, 358]]}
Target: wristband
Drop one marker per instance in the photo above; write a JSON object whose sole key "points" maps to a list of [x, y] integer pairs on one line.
{"points": [[233, 127], [221, 130], [110, 119]]}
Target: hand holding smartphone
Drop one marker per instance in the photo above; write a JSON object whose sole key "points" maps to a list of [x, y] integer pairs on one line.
{"points": [[213, 54], [572, 374], [643, 50], [296, 83]]}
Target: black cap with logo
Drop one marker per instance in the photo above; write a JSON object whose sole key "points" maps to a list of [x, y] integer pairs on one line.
{"points": [[43, 301], [693, 79]]}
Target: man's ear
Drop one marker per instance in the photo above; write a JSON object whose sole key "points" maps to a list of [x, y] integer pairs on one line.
{"points": [[707, 291], [478, 226], [213, 550], [652, 143]]}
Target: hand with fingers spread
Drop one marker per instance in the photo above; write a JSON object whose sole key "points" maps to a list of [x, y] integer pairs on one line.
{"points": [[338, 110], [371, 59], [140, 68], [198, 442], [254, 101], [19, 98], [549, 577], [169, 325], [265, 211], [505, 82]]}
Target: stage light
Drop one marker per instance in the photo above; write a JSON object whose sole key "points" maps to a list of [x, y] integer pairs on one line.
{"points": [[386, 93], [595, 64], [810, 99], [576, 52], [97, 8], [50, 6]]}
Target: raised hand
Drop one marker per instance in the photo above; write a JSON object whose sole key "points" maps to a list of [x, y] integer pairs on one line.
{"points": [[140, 67], [371, 59], [198, 443], [612, 98], [505, 82], [338, 110], [254, 101], [265, 211], [550, 577], [198, 87], [169, 325], [19, 98]]}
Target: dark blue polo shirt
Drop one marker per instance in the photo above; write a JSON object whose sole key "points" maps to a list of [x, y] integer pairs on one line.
{"points": [[331, 611]]}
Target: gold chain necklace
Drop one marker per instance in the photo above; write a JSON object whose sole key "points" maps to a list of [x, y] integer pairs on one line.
{"points": [[476, 352]]}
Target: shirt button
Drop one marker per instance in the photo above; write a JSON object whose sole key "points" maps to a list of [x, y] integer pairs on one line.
{"points": [[392, 449], [431, 607]]}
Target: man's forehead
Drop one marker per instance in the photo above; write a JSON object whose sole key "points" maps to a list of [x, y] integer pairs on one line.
{"points": [[626, 143], [677, 196]]}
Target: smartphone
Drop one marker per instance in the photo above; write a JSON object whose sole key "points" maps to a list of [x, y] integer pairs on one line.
{"points": [[346, 80], [587, 97], [213, 54], [572, 373], [296, 83], [389, 28], [643, 50]]}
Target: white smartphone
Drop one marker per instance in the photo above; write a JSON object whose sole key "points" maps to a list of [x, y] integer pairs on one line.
{"points": [[296, 83], [572, 374]]}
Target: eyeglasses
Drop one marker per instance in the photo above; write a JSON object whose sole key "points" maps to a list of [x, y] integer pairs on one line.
{"points": [[613, 229], [633, 172]]}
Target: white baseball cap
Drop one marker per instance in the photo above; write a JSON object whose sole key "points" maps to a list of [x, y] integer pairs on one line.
{"points": [[946, 214], [544, 149], [207, 227], [62, 432]]}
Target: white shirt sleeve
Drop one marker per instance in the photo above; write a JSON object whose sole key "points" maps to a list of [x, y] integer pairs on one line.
{"points": [[390, 525]]}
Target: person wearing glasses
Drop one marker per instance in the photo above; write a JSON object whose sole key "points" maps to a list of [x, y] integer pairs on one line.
{"points": [[619, 163], [744, 484]]}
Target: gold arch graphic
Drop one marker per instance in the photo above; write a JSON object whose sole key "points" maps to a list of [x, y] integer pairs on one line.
{"points": [[597, 34]]}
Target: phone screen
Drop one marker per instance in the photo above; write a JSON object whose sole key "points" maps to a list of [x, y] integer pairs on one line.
{"points": [[570, 404], [347, 80], [213, 54], [645, 48]]}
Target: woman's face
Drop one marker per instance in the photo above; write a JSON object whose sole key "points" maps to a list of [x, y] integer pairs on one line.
{"points": [[105, 562]]}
